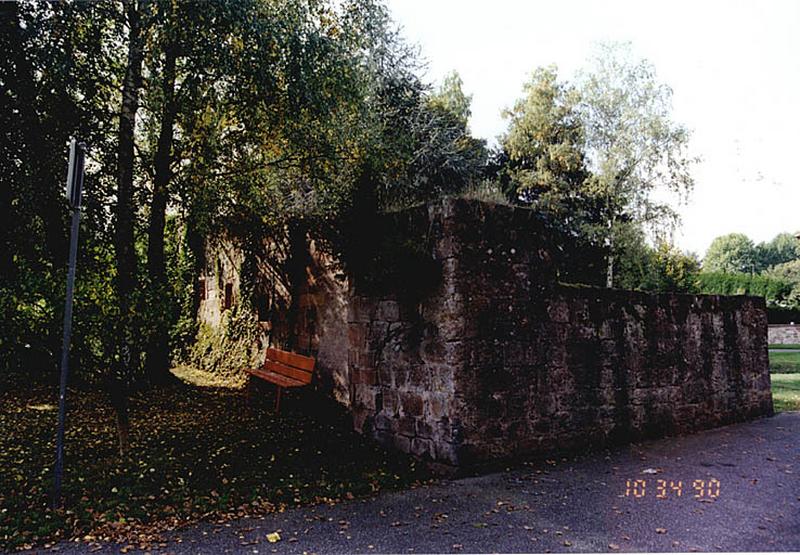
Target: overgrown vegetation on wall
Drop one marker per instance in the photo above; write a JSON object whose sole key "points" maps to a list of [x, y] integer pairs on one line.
{"points": [[227, 350]]}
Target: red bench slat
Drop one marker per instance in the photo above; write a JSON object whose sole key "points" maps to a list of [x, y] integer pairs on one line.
{"points": [[291, 359], [278, 379], [284, 370]]}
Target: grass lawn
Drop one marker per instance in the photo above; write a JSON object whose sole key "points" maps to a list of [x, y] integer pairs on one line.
{"points": [[786, 391], [196, 453], [785, 346], [780, 362]]}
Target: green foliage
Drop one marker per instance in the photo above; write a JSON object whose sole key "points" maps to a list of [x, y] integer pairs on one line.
{"points": [[421, 146], [633, 145], [777, 261], [788, 272], [718, 283], [663, 268], [282, 111], [486, 190], [450, 97], [542, 165], [52, 53], [544, 146], [591, 156], [784, 248], [732, 253], [225, 351]]}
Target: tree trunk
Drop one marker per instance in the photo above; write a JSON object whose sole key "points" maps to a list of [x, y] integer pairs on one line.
{"points": [[118, 395], [123, 237], [610, 258], [196, 243], [610, 271], [158, 347]]}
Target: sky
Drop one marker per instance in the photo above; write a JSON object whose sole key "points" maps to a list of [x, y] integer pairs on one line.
{"points": [[733, 66]]}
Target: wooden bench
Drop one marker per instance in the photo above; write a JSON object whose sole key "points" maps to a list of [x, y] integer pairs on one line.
{"points": [[284, 369]]}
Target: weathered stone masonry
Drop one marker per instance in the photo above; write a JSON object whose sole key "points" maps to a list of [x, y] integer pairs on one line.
{"points": [[784, 334], [495, 359], [499, 360]]}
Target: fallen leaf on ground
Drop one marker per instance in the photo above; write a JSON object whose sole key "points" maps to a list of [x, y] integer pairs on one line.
{"points": [[273, 537], [613, 546], [661, 530]]}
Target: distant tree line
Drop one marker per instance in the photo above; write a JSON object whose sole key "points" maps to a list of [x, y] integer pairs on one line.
{"points": [[735, 265]]}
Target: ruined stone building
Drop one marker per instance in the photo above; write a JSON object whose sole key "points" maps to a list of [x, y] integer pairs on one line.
{"points": [[496, 359]]}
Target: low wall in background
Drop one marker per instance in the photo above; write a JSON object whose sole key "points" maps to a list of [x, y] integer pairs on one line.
{"points": [[784, 334]]}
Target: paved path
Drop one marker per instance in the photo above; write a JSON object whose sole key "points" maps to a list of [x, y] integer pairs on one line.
{"points": [[574, 505]]}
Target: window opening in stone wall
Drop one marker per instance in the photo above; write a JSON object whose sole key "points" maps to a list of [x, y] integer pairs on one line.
{"points": [[228, 296], [262, 307]]}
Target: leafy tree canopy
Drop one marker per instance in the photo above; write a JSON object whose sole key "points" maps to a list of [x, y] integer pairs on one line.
{"points": [[785, 247], [451, 97], [631, 142], [732, 253]]}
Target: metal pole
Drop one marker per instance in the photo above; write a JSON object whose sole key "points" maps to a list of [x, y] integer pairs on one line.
{"points": [[62, 396], [74, 186]]}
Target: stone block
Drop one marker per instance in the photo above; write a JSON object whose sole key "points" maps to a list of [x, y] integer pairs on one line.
{"points": [[368, 376], [407, 426], [558, 311], [361, 309], [357, 335], [382, 422], [376, 338], [424, 429], [412, 403], [435, 407], [391, 401], [365, 397], [385, 375], [388, 311], [421, 447]]}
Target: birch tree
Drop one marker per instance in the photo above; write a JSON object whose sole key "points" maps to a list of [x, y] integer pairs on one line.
{"points": [[633, 146]]}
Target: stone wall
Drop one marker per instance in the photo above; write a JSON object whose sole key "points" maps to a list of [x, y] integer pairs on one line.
{"points": [[497, 360], [784, 334], [222, 266], [320, 324], [322, 330]]}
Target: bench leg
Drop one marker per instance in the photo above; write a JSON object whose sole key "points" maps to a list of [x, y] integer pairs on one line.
{"points": [[278, 400]]}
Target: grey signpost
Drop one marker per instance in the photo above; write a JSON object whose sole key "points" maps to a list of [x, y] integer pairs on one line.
{"points": [[77, 159]]}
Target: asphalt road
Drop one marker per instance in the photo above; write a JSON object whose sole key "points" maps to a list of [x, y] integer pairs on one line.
{"points": [[750, 501]]}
